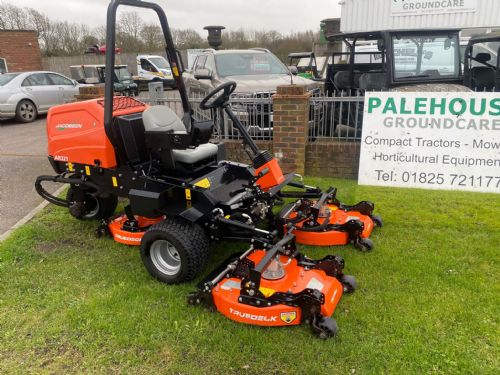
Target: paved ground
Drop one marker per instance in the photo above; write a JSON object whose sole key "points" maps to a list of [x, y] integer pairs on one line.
{"points": [[23, 156]]}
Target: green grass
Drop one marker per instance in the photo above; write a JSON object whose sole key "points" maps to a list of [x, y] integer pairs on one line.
{"points": [[428, 302]]}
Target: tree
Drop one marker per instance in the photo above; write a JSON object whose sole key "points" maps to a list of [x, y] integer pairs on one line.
{"points": [[13, 18], [188, 39], [152, 36], [128, 35], [133, 35]]}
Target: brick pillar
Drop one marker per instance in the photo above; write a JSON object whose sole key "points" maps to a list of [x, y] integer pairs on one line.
{"points": [[291, 117]]}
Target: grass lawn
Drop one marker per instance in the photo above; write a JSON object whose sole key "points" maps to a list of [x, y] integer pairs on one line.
{"points": [[428, 300]]}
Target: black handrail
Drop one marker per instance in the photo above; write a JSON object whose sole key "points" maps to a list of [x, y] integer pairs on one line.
{"points": [[110, 59]]}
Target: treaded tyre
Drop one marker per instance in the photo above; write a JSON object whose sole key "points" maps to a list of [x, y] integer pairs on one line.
{"points": [[325, 327], [91, 207], [349, 283], [364, 244], [26, 111], [175, 250], [377, 221]]}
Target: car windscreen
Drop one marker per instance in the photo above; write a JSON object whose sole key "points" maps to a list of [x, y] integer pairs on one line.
{"points": [[432, 57], [123, 74], [160, 62], [6, 78], [241, 64]]}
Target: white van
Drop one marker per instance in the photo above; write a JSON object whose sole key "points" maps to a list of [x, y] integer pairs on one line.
{"points": [[155, 68]]}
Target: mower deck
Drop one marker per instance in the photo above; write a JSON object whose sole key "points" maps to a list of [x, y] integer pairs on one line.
{"points": [[130, 232], [327, 222], [296, 279]]}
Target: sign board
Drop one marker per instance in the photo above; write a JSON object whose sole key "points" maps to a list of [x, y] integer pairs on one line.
{"points": [[448, 141], [424, 7]]}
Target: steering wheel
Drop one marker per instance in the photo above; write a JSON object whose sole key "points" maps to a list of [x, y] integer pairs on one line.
{"points": [[227, 89]]}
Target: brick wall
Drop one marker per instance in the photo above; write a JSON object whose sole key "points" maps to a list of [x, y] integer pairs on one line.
{"points": [[332, 158], [290, 144], [21, 50], [291, 117]]}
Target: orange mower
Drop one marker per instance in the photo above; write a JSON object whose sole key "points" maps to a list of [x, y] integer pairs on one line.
{"points": [[182, 195]]}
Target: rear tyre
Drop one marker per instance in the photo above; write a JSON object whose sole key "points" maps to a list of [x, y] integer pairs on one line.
{"points": [[26, 111], [364, 244], [84, 206], [175, 250], [349, 283], [325, 327], [377, 220]]}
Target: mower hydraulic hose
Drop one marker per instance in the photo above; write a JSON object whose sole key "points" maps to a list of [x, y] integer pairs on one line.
{"points": [[319, 228], [55, 200]]}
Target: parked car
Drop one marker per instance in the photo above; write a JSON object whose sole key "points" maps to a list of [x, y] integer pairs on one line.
{"points": [[99, 50], [24, 96], [95, 74], [153, 68], [257, 72]]}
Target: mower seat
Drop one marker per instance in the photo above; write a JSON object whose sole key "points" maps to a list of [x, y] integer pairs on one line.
{"points": [[195, 155], [160, 120]]}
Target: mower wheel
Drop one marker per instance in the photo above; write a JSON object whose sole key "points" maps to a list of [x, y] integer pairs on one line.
{"points": [[364, 244], [174, 250], [349, 283], [377, 221], [325, 327], [92, 207]]}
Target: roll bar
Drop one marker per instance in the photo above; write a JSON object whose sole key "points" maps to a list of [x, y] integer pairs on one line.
{"points": [[170, 50]]}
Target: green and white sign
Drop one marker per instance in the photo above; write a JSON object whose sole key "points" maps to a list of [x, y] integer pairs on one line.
{"points": [[423, 7], [431, 140]]}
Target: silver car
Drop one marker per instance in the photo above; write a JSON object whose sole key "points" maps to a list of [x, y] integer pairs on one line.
{"points": [[257, 73], [24, 96]]}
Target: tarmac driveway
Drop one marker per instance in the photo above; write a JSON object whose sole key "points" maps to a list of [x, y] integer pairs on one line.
{"points": [[23, 157]]}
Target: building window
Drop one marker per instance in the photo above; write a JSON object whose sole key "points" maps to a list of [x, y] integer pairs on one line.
{"points": [[3, 66]]}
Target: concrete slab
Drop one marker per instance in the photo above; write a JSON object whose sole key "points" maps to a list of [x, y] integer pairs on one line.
{"points": [[23, 157]]}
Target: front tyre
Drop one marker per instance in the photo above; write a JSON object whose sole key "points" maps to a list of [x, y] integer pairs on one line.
{"points": [[175, 250]]}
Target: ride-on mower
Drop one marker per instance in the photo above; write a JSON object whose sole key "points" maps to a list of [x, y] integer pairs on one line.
{"points": [[182, 194]]}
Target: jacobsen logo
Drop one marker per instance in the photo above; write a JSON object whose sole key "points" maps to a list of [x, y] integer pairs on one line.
{"points": [[123, 238], [259, 318], [68, 126]]}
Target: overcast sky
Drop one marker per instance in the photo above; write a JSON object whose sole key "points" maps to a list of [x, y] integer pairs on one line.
{"points": [[282, 15]]}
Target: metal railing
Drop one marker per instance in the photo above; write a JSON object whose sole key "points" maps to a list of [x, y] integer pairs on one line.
{"points": [[253, 110], [336, 117]]}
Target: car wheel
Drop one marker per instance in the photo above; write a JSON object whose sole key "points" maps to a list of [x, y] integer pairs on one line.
{"points": [[26, 111]]}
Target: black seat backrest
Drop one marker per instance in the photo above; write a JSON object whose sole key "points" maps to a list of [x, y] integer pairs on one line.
{"points": [[129, 134], [483, 78]]}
